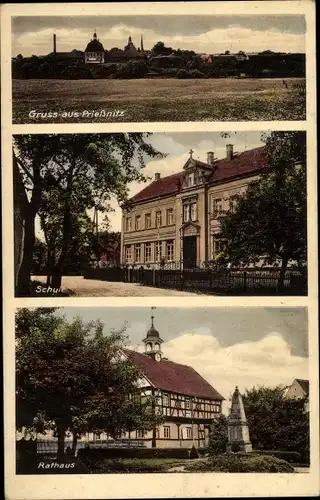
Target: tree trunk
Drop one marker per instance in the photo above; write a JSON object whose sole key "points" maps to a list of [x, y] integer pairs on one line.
{"points": [[74, 443], [24, 273], [282, 274], [61, 436]]}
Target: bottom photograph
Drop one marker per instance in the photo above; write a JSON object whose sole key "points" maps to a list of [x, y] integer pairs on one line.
{"points": [[162, 390]]}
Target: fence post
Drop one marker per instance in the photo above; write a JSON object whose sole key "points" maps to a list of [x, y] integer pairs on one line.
{"points": [[245, 281]]}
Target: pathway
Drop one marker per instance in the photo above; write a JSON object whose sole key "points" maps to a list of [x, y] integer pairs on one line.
{"points": [[96, 288]]}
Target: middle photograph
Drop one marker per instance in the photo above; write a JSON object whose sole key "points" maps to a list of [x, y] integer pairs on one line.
{"points": [[160, 214]]}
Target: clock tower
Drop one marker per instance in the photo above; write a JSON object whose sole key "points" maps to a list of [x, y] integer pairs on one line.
{"points": [[153, 341]]}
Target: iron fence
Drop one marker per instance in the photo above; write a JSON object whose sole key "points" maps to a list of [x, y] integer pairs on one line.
{"points": [[208, 280]]}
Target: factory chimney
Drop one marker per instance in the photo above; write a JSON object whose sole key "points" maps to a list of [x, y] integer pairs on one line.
{"points": [[54, 43], [210, 158]]}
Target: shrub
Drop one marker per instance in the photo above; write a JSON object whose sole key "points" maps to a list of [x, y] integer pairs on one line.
{"points": [[193, 453], [183, 73], [235, 463], [218, 436], [100, 454], [289, 456], [195, 73]]}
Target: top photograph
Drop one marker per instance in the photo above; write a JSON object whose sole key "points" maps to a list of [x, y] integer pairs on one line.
{"points": [[158, 68]]}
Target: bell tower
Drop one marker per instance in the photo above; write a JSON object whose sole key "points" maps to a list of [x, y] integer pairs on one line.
{"points": [[152, 342]]}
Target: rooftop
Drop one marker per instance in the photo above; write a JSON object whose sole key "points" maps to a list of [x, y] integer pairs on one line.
{"points": [[246, 163], [173, 377]]}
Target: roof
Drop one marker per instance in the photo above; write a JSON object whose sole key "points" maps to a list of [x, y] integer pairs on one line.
{"points": [[246, 163], [94, 46], [304, 384], [173, 377]]}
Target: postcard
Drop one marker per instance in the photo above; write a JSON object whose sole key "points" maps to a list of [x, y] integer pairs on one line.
{"points": [[160, 256]]}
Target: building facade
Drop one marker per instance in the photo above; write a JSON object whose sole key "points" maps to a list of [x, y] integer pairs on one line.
{"points": [[174, 220]]}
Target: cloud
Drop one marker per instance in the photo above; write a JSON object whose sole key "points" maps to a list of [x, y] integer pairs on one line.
{"points": [[218, 39], [266, 362]]}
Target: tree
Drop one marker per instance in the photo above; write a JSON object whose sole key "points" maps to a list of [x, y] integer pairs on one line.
{"points": [[87, 167], [270, 219], [71, 378], [161, 49], [276, 423], [218, 438]]}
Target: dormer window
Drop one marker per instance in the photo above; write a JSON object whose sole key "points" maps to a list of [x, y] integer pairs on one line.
{"points": [[189, 181]]}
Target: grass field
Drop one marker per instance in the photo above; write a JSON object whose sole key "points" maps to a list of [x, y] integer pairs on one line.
{"points": [[156, 100]]}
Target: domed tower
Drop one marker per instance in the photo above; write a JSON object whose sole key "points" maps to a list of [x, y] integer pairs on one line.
{"points": [[153, 341]]}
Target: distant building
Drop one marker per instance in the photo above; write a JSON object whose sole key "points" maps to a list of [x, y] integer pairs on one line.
{"points": [[299, 389], [94, 53]]}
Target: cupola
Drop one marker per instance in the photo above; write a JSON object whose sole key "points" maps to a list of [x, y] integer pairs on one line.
{"points": [[152, 341]]}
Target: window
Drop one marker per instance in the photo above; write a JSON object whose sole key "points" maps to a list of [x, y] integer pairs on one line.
{"points": [[193, 211], [166, 432], [169, 216], [140, 434], [157, 346], [189, 433], [138, 223], [232, 203], [128, 224], [147, 221], [128, 254], [165, 400], [188, 404], [158, 251], [217, 206], [158, 219], [147, 252], [190, 180], [169, 250], [148, 346], [186, 212], [217, 244], [137, 252]]}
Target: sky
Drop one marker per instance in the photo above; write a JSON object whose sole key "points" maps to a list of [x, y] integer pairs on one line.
{"points": [[228, 346], [177, 146], [205, 34]]}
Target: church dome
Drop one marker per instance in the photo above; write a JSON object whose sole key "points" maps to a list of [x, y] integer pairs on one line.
{"points": [[94, 46]]}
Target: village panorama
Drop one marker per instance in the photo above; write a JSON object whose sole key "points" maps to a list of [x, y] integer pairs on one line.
{"points": [[156, 83]]}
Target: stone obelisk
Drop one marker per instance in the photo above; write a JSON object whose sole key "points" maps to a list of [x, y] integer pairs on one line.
{"points": [[238, 430]]}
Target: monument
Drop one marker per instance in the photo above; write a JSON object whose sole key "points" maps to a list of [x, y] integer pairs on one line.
{"points": [[238, 430]]}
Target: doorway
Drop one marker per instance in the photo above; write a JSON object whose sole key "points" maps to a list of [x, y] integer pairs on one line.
{"points": [[189, 252]]}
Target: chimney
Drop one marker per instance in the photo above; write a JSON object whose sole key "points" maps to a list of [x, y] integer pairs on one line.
{"points": [[54, 44], [229, 148], [210, 157], [157, 176]]}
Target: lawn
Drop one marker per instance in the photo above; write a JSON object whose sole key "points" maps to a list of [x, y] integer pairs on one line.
{"points": [[156, 100], [134, 465]]}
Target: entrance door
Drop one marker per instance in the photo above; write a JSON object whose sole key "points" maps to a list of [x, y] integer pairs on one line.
{"points": [[189, 252]]}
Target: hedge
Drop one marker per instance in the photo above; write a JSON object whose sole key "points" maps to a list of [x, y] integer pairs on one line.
{"points": [[292, 457], [234, 463], [99, 454]]}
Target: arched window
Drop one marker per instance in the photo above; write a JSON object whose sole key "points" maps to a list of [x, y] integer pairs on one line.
{"points": [[149, 346], [157, 346]]}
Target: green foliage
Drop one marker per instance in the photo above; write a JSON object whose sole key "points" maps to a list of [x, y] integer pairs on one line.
{"points": [[69, 377], [276, 423], [270, 219], [134, 465], [94, 455], [218, 436], [66, 175], [240, 463]]}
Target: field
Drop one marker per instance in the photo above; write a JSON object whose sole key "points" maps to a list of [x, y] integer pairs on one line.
{"points": [[156, 100]]}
